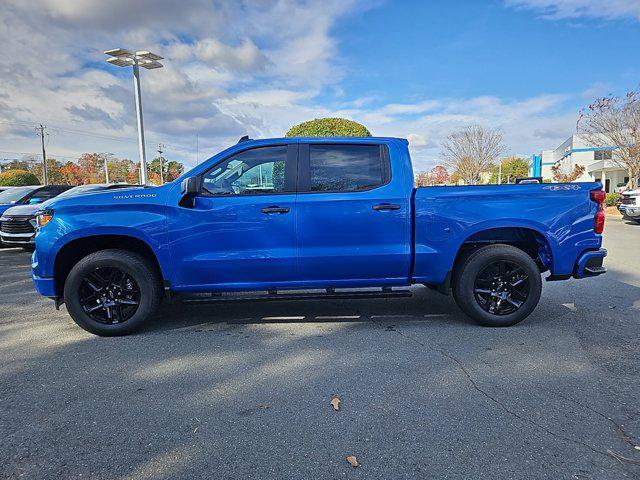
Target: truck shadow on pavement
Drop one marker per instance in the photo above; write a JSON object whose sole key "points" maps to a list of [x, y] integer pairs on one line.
{"points": [[242, 389], [425, 306]]}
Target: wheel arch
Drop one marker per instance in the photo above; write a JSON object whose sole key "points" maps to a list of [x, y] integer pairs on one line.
{"points": [[70, 253], [531, 241]]}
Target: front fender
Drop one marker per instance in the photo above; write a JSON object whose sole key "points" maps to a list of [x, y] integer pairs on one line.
{"points": [[148, 226]]}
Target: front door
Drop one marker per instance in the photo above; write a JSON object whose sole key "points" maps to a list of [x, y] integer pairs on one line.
{"points": [[353, 216], [240, 233]]}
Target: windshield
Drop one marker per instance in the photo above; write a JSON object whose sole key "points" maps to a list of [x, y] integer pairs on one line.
{"points": [[80, 189], [14, 194]]}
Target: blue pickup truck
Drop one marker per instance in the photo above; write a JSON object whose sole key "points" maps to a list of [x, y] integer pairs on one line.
{"points": [[330, 216]]}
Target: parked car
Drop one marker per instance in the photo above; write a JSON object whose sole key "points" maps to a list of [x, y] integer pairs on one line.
{"points": [[314, 213], [629, 205], [27, 196], [18, 223]]}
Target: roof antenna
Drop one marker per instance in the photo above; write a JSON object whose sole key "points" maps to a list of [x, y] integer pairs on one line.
{"points": [[244, 139]]}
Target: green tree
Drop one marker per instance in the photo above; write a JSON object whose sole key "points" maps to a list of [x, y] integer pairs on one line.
{"points": [[512, 168], [319, 127], [18, 178], [119, 169], [54, 174], [18, 165], [170, 170], [329, 127], [173, 170]]}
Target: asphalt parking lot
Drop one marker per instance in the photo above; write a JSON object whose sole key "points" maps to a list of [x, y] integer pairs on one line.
{"points": [[242, 390]]}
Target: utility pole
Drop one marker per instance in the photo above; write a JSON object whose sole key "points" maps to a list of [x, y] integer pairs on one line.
{"points": [[160, 147], [41, 132], [499, 172]]}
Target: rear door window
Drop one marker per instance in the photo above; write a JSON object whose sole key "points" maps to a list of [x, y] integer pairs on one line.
{"points": [[347, 168]]}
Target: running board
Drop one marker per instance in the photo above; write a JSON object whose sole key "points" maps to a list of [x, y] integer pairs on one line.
{"points": [[273, 295]]}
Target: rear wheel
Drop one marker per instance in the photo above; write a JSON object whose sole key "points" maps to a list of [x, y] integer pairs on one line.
{"points": [[498, 285], [112, 292]]}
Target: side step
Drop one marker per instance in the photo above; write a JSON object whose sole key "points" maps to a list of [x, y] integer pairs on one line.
{"points": [[273, 295]]}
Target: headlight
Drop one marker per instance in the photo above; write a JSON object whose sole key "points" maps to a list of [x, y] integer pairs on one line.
{"points": [[43, 217]]}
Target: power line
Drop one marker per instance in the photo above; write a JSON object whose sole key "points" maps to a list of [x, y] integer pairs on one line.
{"points": [[76, 131]]}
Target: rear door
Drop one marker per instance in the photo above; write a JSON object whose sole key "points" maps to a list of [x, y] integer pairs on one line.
{"points": [[353, 216]]}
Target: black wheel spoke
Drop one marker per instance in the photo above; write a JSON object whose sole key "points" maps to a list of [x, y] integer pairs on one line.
{"points": [[109, 295], [501, 287]]}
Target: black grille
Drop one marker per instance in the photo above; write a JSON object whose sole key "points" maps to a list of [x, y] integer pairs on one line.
{"points": [[627, 200], [16, 225]]}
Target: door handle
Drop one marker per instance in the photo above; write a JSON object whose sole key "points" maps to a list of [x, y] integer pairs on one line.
{"points": [[386, 206], [275, 210]]}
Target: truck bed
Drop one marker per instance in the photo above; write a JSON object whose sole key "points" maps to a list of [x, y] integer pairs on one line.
{"points": [[559, 216]]}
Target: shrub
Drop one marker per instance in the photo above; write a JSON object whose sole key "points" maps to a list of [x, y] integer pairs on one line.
{"points": [[612, 199], [329, 127], [18, 178]]}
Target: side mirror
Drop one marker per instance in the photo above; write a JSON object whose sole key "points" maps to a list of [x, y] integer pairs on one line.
{"points": [[191, 187]]}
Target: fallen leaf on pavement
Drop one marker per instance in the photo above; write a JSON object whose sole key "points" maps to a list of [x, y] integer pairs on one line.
{"points": [[352, 460], [335, 403]]}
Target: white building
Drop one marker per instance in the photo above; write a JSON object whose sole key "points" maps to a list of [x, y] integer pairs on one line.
{"points": [[576, 150]]}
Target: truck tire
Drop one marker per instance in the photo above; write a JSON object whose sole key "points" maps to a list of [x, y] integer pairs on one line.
{"points": [[497, 285], [112, 292]]}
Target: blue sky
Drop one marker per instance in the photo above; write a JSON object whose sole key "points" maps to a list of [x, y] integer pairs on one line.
{"points": [[463, 49], [415, 69]]}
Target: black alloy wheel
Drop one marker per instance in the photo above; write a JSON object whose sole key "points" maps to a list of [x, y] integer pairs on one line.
{"points": [[501, 288], [497, 285], [109, 295]]}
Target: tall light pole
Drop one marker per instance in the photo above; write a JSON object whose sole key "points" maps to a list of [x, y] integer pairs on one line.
{"points": [[142, 58]]}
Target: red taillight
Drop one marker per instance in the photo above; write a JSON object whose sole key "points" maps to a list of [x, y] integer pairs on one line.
{"points": [[599, 196]]}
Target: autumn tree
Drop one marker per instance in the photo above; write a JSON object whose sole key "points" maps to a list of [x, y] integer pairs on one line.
{"points": [[615, 122], [470, 152], [436, 176], [561, 175], [54, 176], [91, 167], [173, 170], [71, 174], [422, 179], [170, 170], [439, 174], [120, 169], [24, 164], [512, 168], [134, 174]]}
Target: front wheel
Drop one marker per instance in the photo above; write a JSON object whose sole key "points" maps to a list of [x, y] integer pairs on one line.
{"points": [[498, 285], [112, 292]]}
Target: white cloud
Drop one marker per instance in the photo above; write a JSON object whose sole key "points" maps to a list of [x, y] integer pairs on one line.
{"points": [[231, 68], [559, 9]]}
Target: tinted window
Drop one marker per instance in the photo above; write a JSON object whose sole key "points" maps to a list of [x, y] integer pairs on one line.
{"points": [[44, 194], [345, 168], [602, 155], [14, 194], [258, 171]]}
